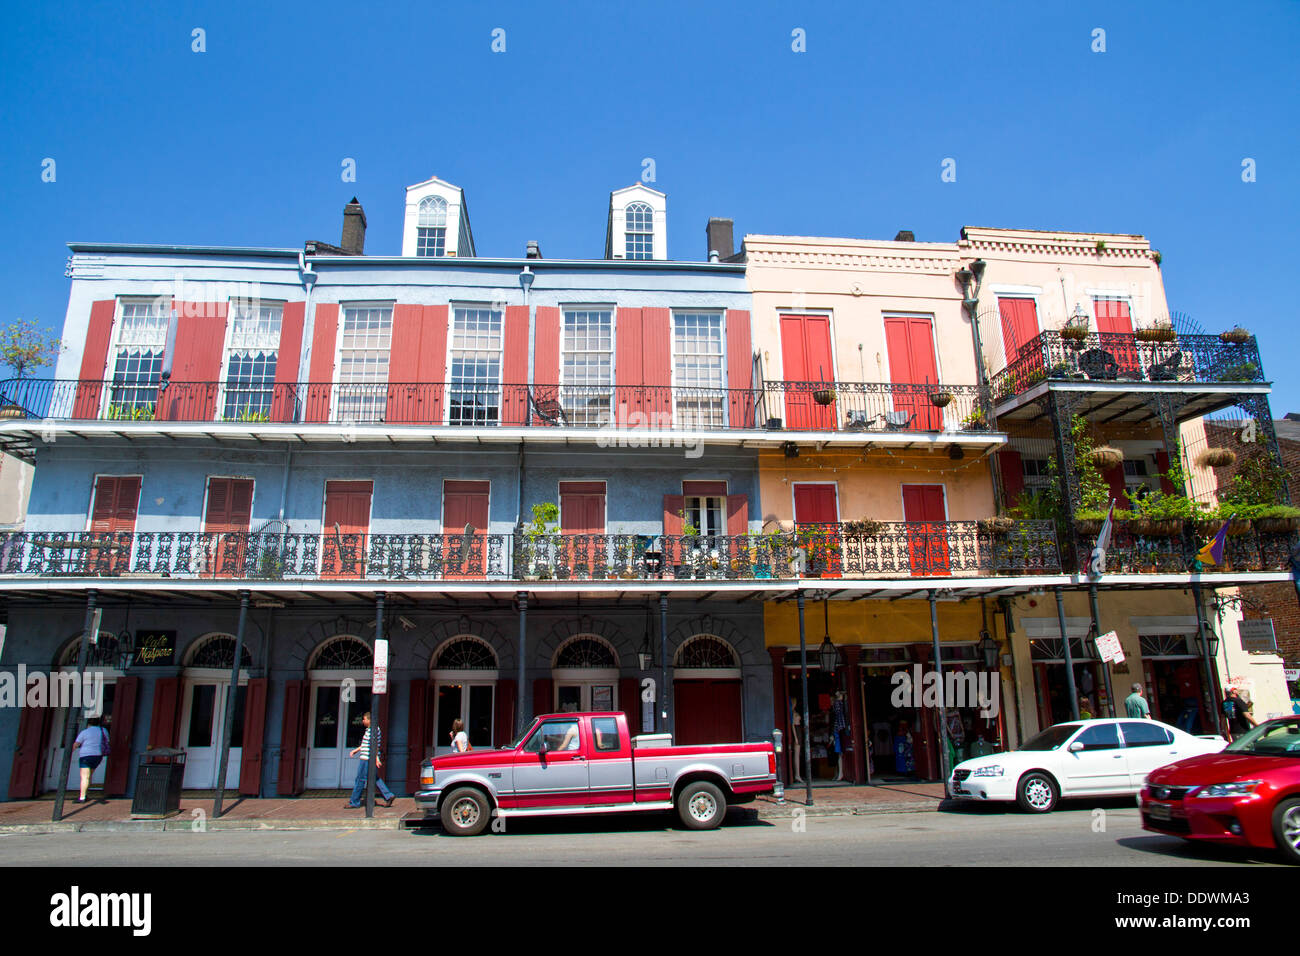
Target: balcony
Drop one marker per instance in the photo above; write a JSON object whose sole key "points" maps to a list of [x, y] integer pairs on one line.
{"points": [[875, 550], [1149, 548], [870, 409], [1115, 361]]}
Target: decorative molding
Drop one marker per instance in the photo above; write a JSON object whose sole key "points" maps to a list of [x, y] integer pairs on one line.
{"points": [[750, 652]]}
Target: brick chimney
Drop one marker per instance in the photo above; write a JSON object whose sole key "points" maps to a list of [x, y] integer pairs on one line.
{"points": [[719, 235], [353, 242], [905, 235]]}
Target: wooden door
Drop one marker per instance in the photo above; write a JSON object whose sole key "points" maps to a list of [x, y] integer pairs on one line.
{"points": [[112, 524], [250, 766], [464, 527], [927, 534], [347, 525], [1019, 325], [707, 711], [226, 524], [582, 524], [806, 362], [913, 367], [816, 518], [1115, 333]]}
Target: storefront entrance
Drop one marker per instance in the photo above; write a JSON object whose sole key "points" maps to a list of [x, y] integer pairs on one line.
{"points": [[1051, 690], [708, 692], [827, 711], [336, 728], [893, 733], [1174, 688], [54, 746], [202, 719]]}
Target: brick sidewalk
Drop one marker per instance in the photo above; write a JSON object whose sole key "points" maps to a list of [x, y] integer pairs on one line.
{"points": [[854, 800]]}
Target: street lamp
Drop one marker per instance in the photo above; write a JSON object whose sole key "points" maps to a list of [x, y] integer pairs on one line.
{"points": [[125, 651], [827, 654], [989, 649]]}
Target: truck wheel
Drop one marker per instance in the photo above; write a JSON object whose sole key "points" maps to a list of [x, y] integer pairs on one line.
{"points": [[465, 812], [1286, 828], [701, 806]]}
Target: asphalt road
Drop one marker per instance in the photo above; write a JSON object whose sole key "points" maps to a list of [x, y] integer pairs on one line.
{"points": [[978, 836]]}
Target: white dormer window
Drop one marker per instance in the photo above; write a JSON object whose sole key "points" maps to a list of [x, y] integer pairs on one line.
{"points": [[640, 231], [431, 234], [638, 224]]}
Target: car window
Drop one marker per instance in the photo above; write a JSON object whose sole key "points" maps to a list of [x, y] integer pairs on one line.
{"points": [[1281, 739], [604, 733], [1144, 733], [1099, 737], [1051, 738], [558, 734]]}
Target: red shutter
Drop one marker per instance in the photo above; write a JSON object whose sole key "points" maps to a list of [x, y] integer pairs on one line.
{"points": [[546, 354], [416, 720], [737, 515], [164, 721], [542, 702], [806, 358], [814, 504], [657, 365], [433, 362], [674, 505], [250, 762], [1013, 475], [582, 507], [514, 367], [196, 363], [115, 505], [629, 697], [505, 712], [347, 504], [1115, 478], [1019, 325], [740, 368], [292, 739], [1162, 465], [288, 361], [94, 360], [629, 396], [324, 337], [404, 390], [704, 489], [32, 726], [118, 767], [230, 505], [910, 342]]}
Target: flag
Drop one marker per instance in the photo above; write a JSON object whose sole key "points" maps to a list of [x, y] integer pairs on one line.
{"points": [[1097, 566], [1212, 553]]}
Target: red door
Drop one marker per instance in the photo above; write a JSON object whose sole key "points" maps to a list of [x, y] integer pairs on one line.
{"points": [[226, 523], [347, 524], [112, 523], [912, 365], [582, 523], [927, 534], [464, 527], [1019, 325], [1115, 332], [816, 518], [707, 711], [806, 361], [250, 766]]}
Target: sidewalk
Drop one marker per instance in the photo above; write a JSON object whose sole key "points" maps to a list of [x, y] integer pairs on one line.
{"points": [[849, 800]]}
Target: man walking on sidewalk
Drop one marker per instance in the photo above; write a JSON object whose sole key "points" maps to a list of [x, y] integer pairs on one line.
{"points": [[1135, 705], [363, 751]]}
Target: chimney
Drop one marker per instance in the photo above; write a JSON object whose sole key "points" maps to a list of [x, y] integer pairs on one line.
{"points": [[534, 249], [905, 235], [719, 232], [353, 242]]}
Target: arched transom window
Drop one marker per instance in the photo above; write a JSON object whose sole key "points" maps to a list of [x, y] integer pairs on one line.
{"points": [[466, 653], [100, 654], [706, 652], [585, 652], [343, 653], [218, 651]]}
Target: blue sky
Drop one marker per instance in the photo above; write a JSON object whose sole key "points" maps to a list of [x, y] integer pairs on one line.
{"points": [[242, 144]]}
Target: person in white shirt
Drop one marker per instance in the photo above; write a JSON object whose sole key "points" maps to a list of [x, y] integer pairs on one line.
{"points": [[459, 739], [363, 751]]}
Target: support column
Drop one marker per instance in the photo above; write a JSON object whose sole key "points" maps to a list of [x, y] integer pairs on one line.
{"points": [[524, 715], [1096, 633], [74, 712], [781, 706], [945, 768], [1211, 682], [663, 663], [852, 656], [376, 738], [807, 731], [231, 694], [1069, 658]]}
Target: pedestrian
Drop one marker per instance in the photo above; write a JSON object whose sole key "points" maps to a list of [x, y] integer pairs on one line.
{"points": [[1135, 705], [363, 768], [1085, 708], [1237, 712], [459, 739], [93, 743]]}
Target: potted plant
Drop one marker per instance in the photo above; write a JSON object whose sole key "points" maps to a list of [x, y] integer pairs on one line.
{"points": [[537, 534], [824, 396], [941, 399], [1277, 519], [23, 347], [1241, 372], [867, 527], [1074, 332], [976, 421], [1156, 332], [1088, 521], [1235, 336], [1105, 457], [998, 524], [1217, 458]]}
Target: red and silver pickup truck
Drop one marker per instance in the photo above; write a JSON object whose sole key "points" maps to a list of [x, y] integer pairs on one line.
{"points": [[587, 763]]}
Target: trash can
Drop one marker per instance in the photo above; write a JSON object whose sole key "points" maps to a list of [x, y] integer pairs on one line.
{"points": [[158, 784]]}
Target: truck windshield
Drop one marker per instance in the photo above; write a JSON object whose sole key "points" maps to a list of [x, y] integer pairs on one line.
{"points": [[519, 738]]}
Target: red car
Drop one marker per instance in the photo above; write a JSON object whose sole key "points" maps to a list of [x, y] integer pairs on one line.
{"points": [[1246, 795]]}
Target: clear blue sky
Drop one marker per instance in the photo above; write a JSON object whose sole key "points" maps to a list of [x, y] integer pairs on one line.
{"points": [[242, 144]]}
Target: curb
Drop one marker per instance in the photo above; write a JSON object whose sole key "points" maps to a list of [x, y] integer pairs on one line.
{"points": [[785, 811], [180, 825]]}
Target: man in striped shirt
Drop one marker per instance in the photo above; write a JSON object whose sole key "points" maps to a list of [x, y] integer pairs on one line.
{"points": [[363, 751]]}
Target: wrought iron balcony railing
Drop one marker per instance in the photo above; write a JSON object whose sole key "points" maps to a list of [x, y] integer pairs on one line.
{"points": [[1135, 549], [884, 550], [797, 406], [1114, 357]]}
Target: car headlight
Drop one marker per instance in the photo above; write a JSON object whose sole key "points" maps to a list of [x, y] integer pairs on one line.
{"points": [[1240, 788], [993, 771]]}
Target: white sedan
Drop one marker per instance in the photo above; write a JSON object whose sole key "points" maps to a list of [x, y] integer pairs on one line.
{"points": [[1095, 758]]}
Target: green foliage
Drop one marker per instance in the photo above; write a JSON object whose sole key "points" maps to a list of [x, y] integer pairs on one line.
{"points": [[247, 414], [131, 413], [23, 347], [546, 518], [1258, 480], [688, 527], [1094, 492], [975, 420]]}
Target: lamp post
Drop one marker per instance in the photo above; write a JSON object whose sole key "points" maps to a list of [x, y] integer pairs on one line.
{"points": [[1209, 653], [988, 649]]}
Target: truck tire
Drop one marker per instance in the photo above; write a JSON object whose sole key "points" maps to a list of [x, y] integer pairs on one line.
{"points": [[701, 806], [465, 812]]}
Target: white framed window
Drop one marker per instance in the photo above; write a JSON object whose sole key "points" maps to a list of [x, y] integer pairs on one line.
{"points": [[137, 358], [431, 227], [698, 365], [639, 231], [708, 513], [587, 365], [474, 385], [252, 345], [364, 347]]}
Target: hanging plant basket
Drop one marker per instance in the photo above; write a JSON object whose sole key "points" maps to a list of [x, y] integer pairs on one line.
{"points": [[998, 524], [1237, 336], [1106, 457], [1276, 525], [1207, 527], [824, 396], [1074, 333], [940, 399], [1156, 333], [1088, 526], [1157, 527], [867, 527], [11, 411], [1217, 458]]}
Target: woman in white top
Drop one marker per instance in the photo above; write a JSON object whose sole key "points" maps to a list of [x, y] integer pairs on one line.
{"points": [[459, 739]]}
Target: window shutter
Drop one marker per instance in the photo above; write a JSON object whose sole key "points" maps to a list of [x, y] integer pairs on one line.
{"points": [[321, 377], [241, 504], [740, 365], [542, 702], [418, 698], [514, 366], [433, 361], [191, 395], [250, 764], [119, 737], [288, 361], [657, 365], [115, 504], [1162, 465], [164, 725], [1013, 475], [673, 524], [292, 738], [404, 388], [505, 712], [32, 724], [218, 516], [94, 360], [629, 696], [628, 367], [737, 515], [546, 355]]}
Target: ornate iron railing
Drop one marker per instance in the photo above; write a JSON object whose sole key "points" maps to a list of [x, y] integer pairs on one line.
{"points": [[885, 550], [1114, 357], [1133, 552], [821, 406]]}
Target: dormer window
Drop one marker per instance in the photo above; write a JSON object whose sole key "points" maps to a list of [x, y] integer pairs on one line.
{"points": [[639, 219], [431, 233]]}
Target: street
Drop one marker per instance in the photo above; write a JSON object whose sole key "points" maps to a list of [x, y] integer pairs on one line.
{"points": [[979, 836]]}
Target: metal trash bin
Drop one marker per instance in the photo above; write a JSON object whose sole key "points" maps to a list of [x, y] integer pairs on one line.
{"points": [[158, 784]]}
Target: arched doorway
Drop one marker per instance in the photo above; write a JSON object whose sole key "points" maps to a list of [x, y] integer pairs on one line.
{"points": [[584, 675], [708, 700], [102, 662], [340, 672], [206, 683], [463, 675]]}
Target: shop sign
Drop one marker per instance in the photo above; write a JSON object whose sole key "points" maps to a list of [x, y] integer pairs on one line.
{"points": [[155, 648], [1257, 635], [379, 680], [1109, 648], [1292, 674]]}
